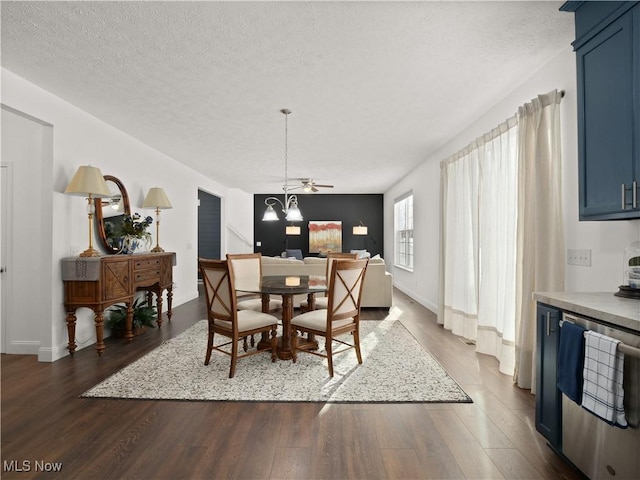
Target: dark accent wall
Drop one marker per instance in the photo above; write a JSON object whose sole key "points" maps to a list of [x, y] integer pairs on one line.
{"points": [[350, 209]]}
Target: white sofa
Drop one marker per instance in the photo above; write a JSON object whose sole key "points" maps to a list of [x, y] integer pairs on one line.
{"points": [[378, 283]]}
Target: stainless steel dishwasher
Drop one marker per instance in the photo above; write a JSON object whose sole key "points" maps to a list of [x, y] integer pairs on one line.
{"points": [[598, 449]]}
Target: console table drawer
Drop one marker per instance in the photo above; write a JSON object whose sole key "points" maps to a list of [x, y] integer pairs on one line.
{"points": [[146, 276], [146, 264]]}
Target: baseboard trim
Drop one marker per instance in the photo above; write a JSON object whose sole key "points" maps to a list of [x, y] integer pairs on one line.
{"points": [[421, 300], [23, 347]]}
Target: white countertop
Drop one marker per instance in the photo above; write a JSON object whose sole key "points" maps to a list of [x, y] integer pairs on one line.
{"points": [[605, 306]]}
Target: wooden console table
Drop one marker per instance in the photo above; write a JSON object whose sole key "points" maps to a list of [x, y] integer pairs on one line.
{"points": [[98, 282]]}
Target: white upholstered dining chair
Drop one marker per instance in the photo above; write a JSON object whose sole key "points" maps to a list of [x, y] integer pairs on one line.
{"points": [[248, 266], [322, 301], [224, 318], [341, 316]]}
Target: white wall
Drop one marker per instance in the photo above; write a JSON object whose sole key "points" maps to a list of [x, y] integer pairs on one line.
{"points": [[81, 139], [607, 240], [240, 226]]}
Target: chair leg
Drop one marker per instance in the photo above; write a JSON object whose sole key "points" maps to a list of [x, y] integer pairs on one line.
{"points": [[274, 344], [329, 354], [356, 343], [209, 347], [234, 357], [294, 344]]}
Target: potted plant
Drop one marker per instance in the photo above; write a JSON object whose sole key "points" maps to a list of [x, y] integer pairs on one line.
{"points": [[144, 315], [133, 232]]}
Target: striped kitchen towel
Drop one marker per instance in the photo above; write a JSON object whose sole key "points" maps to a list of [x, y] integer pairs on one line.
{"points": [[602, 393]]}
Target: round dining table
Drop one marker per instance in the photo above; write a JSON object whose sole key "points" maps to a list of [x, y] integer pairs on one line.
{"points": [[287, 286]]}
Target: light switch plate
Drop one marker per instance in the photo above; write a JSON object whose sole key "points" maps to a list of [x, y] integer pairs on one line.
{"points": [[579, 257]]}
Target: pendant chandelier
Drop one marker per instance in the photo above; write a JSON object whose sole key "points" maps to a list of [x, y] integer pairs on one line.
{"points": [[290, 206]]}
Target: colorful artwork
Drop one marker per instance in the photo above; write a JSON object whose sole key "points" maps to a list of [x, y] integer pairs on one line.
{"points": [[325, 237]]}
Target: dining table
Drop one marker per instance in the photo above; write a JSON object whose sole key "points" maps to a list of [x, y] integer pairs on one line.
{"points": [[287, 286]]}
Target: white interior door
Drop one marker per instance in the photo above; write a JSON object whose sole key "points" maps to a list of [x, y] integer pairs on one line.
{"points": [[4, 247], [27, 148]]}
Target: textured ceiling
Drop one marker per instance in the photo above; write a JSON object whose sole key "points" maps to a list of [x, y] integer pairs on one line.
{"points": [[375, 87]]}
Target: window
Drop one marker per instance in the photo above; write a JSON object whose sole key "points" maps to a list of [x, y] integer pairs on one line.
{"points": [[403, 225]]}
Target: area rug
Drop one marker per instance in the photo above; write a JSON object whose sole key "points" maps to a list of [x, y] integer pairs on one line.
{"points": [[396, 368]]}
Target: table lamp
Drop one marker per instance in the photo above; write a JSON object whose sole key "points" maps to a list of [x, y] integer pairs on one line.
{"points": [[89, 182], [156, 198]]}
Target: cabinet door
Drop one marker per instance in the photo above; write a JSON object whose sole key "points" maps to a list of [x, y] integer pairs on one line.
{"points": [[548, 397], [606, 128]]}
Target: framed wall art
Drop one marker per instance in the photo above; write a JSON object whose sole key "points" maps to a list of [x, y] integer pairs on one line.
{"points": [[325, 236]]}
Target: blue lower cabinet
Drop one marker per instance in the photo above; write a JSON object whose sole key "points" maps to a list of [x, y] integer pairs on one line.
{"points": [[548, 397]]}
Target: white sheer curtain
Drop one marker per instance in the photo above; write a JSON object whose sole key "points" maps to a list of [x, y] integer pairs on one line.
{"points": [[484, 284], [540, 251]]}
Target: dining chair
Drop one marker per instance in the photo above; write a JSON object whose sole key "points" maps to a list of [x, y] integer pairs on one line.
{"points": [[224, 317], [321, 302], [248, 266], [341, 316]]}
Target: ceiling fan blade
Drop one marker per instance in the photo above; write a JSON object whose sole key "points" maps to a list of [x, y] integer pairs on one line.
{"points": [[323, 186], [313, 188]]}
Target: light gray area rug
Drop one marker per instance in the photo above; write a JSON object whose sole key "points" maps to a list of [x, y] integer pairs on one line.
{"points": [[396, 368]]}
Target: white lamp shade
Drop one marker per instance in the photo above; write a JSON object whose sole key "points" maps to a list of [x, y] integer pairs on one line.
{"points": [[88, 180], [294, 214], [270, 215], [156, 198], [292, 230], [360, 230]]}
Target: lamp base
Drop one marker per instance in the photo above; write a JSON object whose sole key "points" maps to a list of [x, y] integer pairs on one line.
{"points": [[157, 248], [90, 252]]}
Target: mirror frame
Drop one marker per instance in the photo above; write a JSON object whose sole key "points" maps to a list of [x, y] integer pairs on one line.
{"points": [[100, 219]]}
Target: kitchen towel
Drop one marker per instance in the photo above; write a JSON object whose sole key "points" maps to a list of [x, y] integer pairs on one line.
{"points": [[571, 360], [602, 393]]}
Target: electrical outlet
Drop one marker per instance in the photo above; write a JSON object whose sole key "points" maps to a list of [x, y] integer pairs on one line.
{"points": [[258, 244], [579, 257], [74, 250]]}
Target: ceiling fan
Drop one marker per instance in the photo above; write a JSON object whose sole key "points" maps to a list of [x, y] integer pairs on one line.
{"points": [[308, 185]]}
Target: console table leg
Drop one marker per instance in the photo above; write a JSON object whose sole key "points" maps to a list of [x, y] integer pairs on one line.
{"points": [[128, 329], [71, 332], [159, 307], [99, 333], [169, 300]]}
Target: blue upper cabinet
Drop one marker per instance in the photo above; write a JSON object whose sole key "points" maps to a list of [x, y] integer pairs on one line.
{"points": [[607, 50]]}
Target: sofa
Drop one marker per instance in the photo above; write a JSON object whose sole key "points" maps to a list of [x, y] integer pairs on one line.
{"points": [[378, 283]]}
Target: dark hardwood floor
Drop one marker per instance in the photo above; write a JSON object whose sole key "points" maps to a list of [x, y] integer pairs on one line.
{"points": [[45, 425]]}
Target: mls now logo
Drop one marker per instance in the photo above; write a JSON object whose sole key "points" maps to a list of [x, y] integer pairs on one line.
{"points": [[28, 465]]}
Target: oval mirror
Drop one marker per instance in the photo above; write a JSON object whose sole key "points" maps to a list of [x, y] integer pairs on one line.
{"points": [[110, 212]]}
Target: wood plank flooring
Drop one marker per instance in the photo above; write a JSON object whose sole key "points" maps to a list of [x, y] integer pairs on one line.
{"points": [[46, 425]]}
